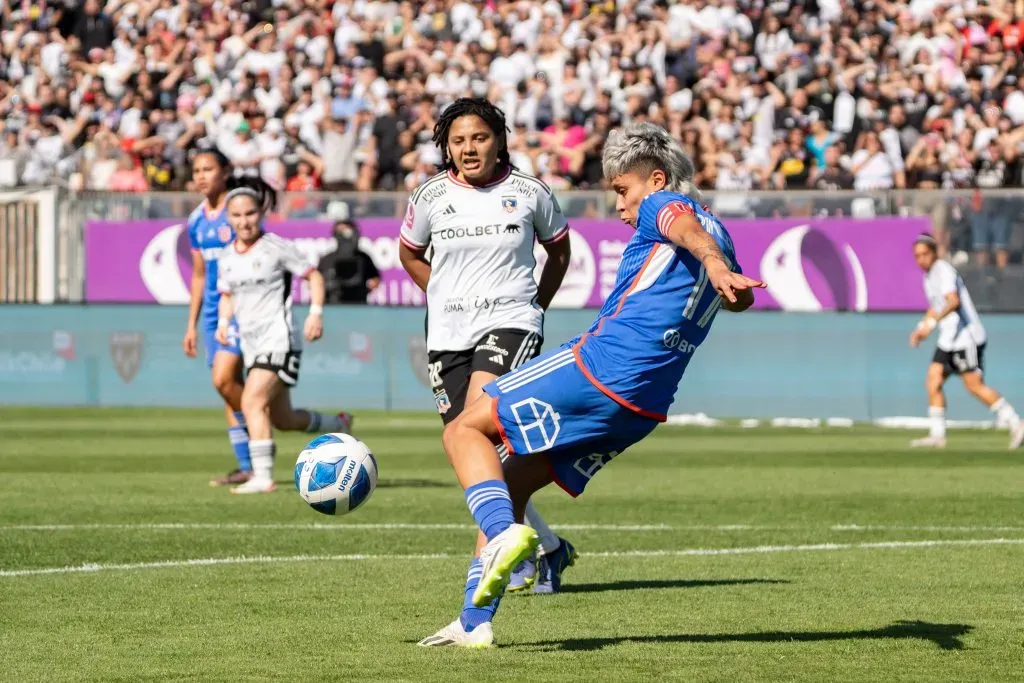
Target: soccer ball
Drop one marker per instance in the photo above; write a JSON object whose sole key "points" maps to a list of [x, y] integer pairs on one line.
{"points": [[335, 473]]}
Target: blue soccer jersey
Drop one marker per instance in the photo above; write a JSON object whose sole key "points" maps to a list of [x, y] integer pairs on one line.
{"points": [[657, 315], [209, 235]]}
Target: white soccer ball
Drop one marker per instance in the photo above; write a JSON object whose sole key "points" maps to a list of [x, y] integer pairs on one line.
{"points": [[335, 473]]}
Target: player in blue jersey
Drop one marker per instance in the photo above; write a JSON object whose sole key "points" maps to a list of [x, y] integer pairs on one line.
{"points": [[566, 414], [209, 232]]}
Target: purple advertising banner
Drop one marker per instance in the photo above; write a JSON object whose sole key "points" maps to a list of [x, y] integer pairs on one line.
{"points": [[810, 264]]}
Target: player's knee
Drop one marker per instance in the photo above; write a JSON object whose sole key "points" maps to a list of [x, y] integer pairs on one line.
{"points": [[223, 382]]}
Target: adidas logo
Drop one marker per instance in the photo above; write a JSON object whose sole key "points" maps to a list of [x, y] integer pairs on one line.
{"points": [[449, 210], [498, 359]]}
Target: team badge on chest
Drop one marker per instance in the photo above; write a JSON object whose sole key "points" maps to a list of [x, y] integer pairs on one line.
{"points": [[509, 204], [224, 233]]}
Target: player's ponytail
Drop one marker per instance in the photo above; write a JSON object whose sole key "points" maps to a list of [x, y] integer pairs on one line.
{"points": [[255, 187]]}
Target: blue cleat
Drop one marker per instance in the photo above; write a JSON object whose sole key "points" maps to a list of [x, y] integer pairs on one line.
{"points": [[524, 575], [551, 566]]}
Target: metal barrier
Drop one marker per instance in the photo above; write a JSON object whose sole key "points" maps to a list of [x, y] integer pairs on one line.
{"points": [[18, 255]]}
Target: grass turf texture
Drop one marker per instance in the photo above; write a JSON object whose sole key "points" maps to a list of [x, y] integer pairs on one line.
{"points": [[91, 480]]}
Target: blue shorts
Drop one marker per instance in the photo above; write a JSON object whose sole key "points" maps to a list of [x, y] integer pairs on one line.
{"points": [[213, 346], [549, 406]]}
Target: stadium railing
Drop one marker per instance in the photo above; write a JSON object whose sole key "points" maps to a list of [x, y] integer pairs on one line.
{"points": [[43, 235]]}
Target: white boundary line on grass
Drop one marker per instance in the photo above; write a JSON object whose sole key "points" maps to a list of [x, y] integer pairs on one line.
{"points": [[688, 552], [391, 526]]}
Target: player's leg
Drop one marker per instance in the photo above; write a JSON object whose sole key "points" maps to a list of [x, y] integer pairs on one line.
{"points": [[499, 352], [225, 362], [934, 379], [262, 387], [974, 381]]}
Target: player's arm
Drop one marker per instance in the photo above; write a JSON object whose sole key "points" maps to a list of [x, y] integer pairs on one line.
{"points": [[414, 239], [735, 289], [314, 325], [225, 312], [553, 234], [195, 303], [932, 317]]}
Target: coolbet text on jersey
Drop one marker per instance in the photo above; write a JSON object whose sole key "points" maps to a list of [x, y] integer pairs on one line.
{"points": [[603, 391], [209, 236]]}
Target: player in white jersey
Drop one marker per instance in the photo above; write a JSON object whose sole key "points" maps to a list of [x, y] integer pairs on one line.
{"points": [[479, 219], [255, 280], [960, 348]]}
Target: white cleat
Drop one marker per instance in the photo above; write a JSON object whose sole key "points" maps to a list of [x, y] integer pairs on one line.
{"points": [[1017, 436], [499, 557], [256, 486], [929, 442], [454, 635]]}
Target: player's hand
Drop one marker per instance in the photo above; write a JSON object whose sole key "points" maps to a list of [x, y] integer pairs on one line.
{"points": [[915, 338], [222, 336], [314, 327], [189, 343], [727, 283]]}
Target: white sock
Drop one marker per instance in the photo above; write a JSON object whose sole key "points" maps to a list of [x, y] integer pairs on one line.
{"points": [[262, 454], [1005, 412], [938, 423], [548, 539]]}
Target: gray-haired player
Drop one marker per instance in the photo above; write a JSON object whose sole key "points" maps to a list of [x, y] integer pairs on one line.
{"points": [[960, 349], [255, 279]]}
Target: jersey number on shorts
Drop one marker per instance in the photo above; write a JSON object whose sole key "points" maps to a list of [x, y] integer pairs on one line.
{"points": [[434, 374]]}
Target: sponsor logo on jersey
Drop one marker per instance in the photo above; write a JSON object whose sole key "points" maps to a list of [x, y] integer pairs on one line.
{"points": [[513, 228], [489, 230], [455, 305], [410, 215], [211, 253], [442, 401], [538, 423], [126, 352], [524, 187], [673, 340], [449, 210], [434, 192], [497, 360], [509, 204]]}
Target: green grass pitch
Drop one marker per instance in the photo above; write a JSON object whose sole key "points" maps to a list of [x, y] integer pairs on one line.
{"points": [[706, 555]]}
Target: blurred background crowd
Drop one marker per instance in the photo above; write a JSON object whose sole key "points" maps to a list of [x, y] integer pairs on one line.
{"points": [[827, 94]]}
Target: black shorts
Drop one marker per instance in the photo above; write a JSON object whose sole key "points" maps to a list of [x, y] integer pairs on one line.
{"points": [[284, 364], [960, 362], [497, 352]]}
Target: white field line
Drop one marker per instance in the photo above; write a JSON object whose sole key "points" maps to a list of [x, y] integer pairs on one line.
{"points": [[687, 552], [389, 526]]}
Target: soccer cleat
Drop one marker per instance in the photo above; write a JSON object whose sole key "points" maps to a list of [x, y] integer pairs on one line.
{"points": [[1017, 435], [499, 557], [929, 442], [347, 419], [453, 634], [231, 478], [524, 575], [551, 566], [256, 486]]}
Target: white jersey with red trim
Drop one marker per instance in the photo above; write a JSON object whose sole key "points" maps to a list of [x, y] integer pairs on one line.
{"points": [[482, 263], [259, 281]]}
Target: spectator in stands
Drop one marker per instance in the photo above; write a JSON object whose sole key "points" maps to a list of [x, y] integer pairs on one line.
{"points": [[349, 272]]}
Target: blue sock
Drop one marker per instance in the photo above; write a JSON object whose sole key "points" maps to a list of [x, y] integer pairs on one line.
{"points": [[490, 506], [473, 616], [240, 443]]}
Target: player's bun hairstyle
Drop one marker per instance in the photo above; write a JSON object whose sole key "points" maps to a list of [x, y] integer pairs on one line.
{"points": [[255, 187], [643, 147], [928, 241], [471, 106]]}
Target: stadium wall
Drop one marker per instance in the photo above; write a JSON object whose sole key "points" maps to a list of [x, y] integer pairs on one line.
{"points": [[759, 364]]}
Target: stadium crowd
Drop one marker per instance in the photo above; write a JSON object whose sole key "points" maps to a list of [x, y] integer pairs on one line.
{"points": [[826, 94]]}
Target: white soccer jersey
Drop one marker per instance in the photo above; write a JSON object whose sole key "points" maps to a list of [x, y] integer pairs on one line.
{"points": [[259, 281], [482, 263], [962, 328]]}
